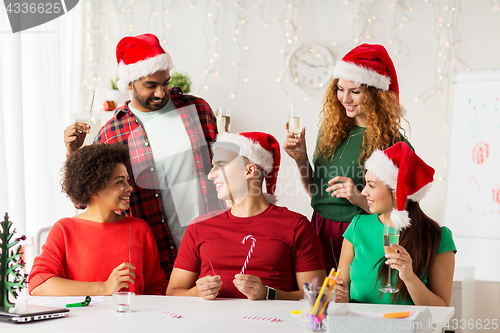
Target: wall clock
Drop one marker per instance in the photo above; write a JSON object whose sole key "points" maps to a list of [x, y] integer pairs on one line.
{"points": [[311, 66]]}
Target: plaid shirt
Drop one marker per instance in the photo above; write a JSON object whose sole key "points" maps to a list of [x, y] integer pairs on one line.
{"points": [[146, 200]]}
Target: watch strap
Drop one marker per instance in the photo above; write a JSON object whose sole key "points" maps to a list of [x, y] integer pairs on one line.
{"points": [[271, 293]]}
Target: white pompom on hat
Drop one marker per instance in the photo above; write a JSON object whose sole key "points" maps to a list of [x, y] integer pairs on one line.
{"points": [[406, 173], [368, 64], [140, 56], [260, 148]]}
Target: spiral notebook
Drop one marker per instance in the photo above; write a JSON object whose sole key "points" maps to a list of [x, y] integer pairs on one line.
{"points": [[25, 313]]}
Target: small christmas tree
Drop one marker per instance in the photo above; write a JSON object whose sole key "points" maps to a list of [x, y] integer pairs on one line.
{"points": [[11, 276]]}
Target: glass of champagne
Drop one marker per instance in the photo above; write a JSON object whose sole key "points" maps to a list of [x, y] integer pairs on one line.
{"points": [[295, 120], [223, 116], [391, 236]]}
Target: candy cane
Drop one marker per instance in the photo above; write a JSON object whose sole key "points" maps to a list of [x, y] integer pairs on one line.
{"points": [[249, 252], [172, 315], [269, 319]]}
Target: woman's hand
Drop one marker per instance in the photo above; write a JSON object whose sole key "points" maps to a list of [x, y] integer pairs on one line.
{"points": [[344, 187], [120, 277], [402, 262], [341, 292], [295, 147]]}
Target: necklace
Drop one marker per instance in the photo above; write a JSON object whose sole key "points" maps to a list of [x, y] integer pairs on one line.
{"points": [[349, 140]]}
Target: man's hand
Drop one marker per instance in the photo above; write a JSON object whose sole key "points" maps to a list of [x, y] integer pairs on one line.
{"points": [[74, 135], [208, 287], [120, 277], [250, 286]]}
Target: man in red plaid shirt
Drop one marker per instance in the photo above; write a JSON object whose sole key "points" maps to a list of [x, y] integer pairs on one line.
{"points": [[170, 186]]}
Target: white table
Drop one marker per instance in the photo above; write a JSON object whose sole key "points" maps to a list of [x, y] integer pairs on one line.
{"points": [[198, 315]]}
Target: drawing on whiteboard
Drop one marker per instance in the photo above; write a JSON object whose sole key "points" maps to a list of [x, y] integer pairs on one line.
{"points": [[473, 188], [480, 152], [496, 195]]}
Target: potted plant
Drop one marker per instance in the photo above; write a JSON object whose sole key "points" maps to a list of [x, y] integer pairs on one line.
{"points": [[114, 97], [182, 81]]}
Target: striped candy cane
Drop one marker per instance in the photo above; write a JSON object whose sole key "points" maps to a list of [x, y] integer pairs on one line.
{"points": [[172, 315], [249, 251], [269, 319]]}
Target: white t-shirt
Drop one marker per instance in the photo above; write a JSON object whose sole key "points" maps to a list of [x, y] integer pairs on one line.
{"points": [[175, 167]]}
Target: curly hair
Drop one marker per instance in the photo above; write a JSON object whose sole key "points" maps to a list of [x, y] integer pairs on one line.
{"points": [[383, 118], [88, 170]]}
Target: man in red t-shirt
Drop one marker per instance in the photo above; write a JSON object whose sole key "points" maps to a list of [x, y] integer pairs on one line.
{"points": [[254, 249]]}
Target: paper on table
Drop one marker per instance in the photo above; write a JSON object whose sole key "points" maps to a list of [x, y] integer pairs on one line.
{"points": [[60, 302], [364, 314]]}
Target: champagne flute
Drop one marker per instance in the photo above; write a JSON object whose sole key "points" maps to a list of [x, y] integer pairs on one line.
{"points": [[223, 116], [391, 236], [295, 120]]}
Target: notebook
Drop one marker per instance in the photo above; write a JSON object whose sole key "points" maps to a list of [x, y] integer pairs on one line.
{"points": [[25, 313]]}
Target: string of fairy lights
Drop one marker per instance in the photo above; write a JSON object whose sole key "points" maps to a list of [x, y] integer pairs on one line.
{"points": [[212, 45], [403, 10], [363, 20], [291, 39], [239, 11], [449, 46]]}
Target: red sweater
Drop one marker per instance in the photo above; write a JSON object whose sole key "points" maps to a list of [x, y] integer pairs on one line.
{"points": [[83, 250]]}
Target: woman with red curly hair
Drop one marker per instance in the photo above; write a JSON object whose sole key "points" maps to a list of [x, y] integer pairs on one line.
{"points": [[98, 252], [361, 113]]}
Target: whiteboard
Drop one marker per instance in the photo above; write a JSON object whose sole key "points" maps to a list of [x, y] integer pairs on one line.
{"points": [[472, 204], [472, 207]]}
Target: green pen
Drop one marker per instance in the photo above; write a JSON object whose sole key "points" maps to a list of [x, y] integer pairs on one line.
{"points": [[77, 305]]}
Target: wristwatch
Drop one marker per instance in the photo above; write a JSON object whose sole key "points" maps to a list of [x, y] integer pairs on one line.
{"points": [[271, 293]]}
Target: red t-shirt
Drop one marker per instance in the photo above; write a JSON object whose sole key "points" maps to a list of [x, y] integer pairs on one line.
{"points": [[83, 250], [281, 243]]}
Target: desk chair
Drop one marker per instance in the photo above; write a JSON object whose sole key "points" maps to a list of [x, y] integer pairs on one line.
{"points": [[41, 237]]}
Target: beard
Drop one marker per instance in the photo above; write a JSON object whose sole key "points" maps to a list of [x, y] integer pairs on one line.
{"points": [[144, 102]]}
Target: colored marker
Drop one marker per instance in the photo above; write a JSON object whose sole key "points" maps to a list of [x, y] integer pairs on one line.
{"points": [[80, 304]]}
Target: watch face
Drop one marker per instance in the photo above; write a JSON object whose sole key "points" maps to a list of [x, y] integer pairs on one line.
{"points": [[311, 66]]}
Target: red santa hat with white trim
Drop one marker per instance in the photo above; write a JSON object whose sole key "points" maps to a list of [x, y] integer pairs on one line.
{"points": [[140, 56], [260, 148], [404, 172], [368, 64]]}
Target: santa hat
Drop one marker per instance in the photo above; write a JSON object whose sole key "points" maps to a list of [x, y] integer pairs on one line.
{"points": [[138, 57], [260, 148], [406, 173], [368, 64]]}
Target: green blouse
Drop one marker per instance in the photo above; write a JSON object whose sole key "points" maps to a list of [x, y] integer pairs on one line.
{"points": [[344, 163], [365, 233]]}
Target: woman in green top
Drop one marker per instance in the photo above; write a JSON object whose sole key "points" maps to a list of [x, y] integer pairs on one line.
{"points": [[361, 113], [424, 261]]}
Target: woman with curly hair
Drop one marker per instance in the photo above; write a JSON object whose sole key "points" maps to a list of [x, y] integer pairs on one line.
{"points": [[98, 252], [361, 113]]}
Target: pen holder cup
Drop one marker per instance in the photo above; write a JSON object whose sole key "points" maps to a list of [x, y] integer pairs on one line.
{"points": [[314, 312]]}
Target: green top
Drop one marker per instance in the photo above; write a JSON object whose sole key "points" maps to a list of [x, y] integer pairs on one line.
{"points": [[344, 163], [365, 233]]}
